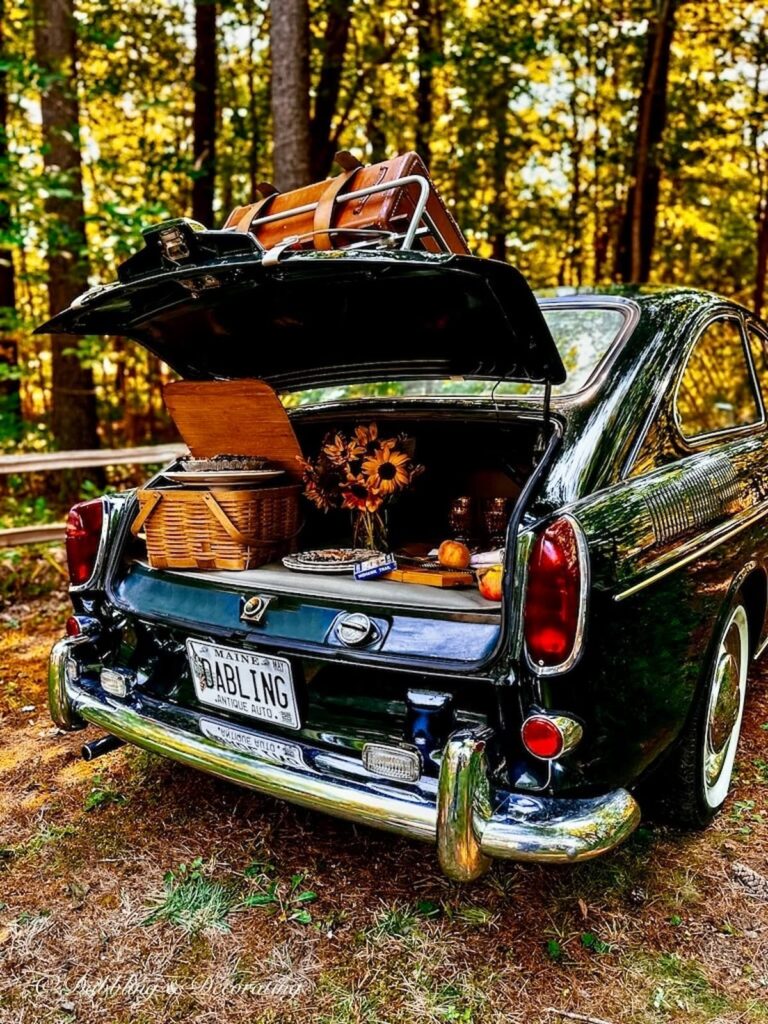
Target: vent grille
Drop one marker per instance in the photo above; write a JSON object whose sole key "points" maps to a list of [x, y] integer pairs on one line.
{"points": [[698, 497]]}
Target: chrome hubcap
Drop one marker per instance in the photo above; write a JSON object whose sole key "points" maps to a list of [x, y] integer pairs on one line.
{"points": [[726, 703]]}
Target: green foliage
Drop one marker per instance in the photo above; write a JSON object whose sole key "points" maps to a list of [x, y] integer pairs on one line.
{"points": [[594, 944], [288, 900], [191, 901], [682, 985], [534, 119], [397, 921], [101, 795], [555, 951]]}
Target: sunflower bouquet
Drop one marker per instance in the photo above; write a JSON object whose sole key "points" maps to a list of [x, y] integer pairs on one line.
{"points": [[361, 472]]}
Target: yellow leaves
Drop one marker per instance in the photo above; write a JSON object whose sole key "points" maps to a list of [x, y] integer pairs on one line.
{"points": [[686, 220]]}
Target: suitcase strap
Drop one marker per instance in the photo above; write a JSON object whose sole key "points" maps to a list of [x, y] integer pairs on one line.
{"points": [[323, 219], [255, 210]]}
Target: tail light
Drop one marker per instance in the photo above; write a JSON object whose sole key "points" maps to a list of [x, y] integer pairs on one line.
{"points": [[555, 597], [549, 736], [542, 738], [82, 537]]}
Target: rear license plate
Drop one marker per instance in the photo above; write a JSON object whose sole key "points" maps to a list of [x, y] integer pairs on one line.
{"points": [[255, 685]]}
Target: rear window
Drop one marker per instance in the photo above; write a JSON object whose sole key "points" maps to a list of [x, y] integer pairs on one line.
{"points": [[583, 336]]}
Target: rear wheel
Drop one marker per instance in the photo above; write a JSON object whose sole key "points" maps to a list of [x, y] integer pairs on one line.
{"points": [[702, 773]]}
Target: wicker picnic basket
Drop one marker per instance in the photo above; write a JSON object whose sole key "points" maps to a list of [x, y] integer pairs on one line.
{"points": [[218, 529]]}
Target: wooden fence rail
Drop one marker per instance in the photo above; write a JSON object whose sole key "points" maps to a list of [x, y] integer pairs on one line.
{"points": [[45, 462]]}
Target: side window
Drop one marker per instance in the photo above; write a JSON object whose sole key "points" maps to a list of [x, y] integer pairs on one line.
{"points": [[717, 390], [758, 344]]}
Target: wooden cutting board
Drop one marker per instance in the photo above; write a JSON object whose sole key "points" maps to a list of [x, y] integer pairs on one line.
{"points": [[233, 417], [431, 577]]}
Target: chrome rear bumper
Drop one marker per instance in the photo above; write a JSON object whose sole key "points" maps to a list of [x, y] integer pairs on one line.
{"points": [[470, 820]]}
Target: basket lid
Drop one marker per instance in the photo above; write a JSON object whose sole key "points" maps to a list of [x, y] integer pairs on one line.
{"points": [[245, 417]]}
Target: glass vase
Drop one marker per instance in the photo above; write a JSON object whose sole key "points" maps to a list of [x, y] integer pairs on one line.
{"points": [[369, 530]]}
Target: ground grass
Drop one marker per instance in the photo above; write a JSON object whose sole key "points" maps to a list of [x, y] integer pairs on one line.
{"points": [[135, 890]]}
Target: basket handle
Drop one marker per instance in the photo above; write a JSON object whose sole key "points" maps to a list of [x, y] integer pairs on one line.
{"points": [[232, 530], [153, 500], [224, 519]]}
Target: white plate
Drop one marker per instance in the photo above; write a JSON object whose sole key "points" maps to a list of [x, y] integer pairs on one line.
{"points": [[291, 563], [231, 477], [266, 748], [304, 562], [256, 685]]}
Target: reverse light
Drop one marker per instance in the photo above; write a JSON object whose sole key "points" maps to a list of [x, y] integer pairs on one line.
{"points": [[555, 597], [550, 736], [398, 763], [82, 537]]}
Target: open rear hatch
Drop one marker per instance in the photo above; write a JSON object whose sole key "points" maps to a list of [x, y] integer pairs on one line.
{"points": [[212, 305]]}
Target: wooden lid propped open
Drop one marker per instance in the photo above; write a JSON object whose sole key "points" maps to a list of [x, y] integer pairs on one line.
{"points": [[233, 417]]}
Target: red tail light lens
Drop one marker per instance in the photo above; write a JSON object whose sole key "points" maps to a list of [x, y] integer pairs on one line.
{"points": [[82, 536], [553, 603], [542, 738]]}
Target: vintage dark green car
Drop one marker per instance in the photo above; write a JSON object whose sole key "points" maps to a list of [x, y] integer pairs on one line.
{"points": [[629, 429]]}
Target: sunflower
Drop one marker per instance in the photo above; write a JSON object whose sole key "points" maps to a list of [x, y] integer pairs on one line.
{"points": [[322, 482], [368, 440], [341, 450], [387, 471], [359, 496]]}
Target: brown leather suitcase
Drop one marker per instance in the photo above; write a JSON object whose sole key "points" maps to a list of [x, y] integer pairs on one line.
{"points": [[321, 206]]}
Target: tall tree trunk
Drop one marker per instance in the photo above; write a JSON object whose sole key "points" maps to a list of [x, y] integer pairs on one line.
{"points": [[425, 32], [204, 117], [73, 412], [638, 227], [760, 172], [253, 111], [499, 116], [761, 269], [10, 405], [329, 84], [289, 43], [375, 129], [575, 245]]}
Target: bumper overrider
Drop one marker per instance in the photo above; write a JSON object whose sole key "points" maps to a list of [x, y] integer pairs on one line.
{"points": [[468, 818]]}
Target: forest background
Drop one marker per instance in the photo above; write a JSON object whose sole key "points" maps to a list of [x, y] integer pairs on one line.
{"points": [[586, 142]]}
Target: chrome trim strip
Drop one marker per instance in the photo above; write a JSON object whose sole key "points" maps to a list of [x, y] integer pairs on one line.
{"points": [[468, 818], [721, 535], [584, 584]]}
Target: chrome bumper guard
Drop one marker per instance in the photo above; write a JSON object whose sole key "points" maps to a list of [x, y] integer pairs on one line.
{"points": [[470, 820]]}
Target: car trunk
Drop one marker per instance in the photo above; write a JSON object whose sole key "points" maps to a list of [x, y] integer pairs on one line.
{"points": [[446, 641], [475, 452]]}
